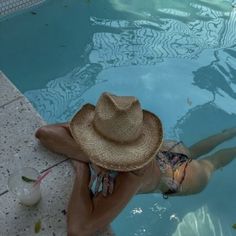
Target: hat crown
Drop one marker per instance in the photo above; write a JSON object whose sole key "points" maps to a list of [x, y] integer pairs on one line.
{"points": [[119, 119]]}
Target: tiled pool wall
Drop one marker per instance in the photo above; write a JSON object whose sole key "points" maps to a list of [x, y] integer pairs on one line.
{"points": [[8, 7]]}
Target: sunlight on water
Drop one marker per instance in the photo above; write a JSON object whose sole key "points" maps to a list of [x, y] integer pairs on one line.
{"points": [[162, 43], [178, 8], [199, 223]]}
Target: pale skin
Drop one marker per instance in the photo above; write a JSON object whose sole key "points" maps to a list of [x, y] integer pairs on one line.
{"points": [[88, 214]]}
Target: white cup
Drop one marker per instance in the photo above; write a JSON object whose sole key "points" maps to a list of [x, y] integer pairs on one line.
{"points": [[25, 190]]}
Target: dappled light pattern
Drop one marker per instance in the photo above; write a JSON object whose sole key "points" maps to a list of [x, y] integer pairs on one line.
{"points": [[148, 40], [62, 97], [200, 223], [178, 8]]}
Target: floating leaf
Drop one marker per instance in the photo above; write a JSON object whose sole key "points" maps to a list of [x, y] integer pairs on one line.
{"points": [[28, 180], [37, 227], [234, 226]]}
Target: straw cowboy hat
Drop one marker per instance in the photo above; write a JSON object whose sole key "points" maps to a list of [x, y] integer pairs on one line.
{"points": [[117, 134]]}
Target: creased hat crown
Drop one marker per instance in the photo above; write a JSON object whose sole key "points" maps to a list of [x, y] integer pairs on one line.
{"points": [[118, 119]]}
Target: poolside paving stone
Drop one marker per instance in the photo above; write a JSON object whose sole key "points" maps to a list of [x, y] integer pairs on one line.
{"points": [[20, 220], [8, 91], [19, 148]]}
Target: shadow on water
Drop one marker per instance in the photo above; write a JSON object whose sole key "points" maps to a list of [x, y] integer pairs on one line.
{"points": [[219, 75]]}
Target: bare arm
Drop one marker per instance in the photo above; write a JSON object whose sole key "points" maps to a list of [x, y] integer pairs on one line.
{"points": [[57, 138], [86, 214]]}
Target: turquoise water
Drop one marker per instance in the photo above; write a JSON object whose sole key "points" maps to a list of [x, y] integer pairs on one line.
{"points": [[177, 57]]}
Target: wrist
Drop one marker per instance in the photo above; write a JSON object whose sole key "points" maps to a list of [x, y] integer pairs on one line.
{"points": [[82, 172]]}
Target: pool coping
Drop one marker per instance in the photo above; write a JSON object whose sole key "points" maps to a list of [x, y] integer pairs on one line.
{"points": [[18, 148]]}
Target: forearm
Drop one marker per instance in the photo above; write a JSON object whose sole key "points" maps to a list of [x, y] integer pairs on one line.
{"points": [[87, 215], [80, 207], [80, 218], [58, 139]]}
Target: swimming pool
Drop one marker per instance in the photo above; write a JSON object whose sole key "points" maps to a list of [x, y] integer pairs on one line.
{"points": [[177, 57]]}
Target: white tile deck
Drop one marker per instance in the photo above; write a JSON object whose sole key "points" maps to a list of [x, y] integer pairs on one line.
{"points": [[18, 148]]}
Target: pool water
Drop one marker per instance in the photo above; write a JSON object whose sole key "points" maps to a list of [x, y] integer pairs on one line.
{"points": [[177, 56]]}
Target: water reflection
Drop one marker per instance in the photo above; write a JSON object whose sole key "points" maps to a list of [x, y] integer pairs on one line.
{"points": [[178, 57], [153, 7], [62, 96], [177, 30], [219, 75], [200, 223], [150, 41]]}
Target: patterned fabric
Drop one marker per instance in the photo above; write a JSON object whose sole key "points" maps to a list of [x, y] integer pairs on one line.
{"points": [[101, 182], [172, 161]]}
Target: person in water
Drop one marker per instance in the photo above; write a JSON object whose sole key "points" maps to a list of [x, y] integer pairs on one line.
{"points": [[118, 151]]}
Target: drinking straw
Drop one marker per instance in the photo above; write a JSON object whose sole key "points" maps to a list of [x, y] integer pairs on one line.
{"points": [[41, 177]]}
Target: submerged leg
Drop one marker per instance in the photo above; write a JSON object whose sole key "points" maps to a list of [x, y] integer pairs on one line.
{"points": [[221, 158], [206, 145], [199, 172]]}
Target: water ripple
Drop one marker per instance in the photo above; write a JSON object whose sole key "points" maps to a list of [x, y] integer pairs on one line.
{"points": [[62, 97], [200, 223], [150, 40]]}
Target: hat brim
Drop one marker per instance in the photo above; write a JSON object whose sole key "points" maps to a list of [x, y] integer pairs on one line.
{"points": [[113, 155]]}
